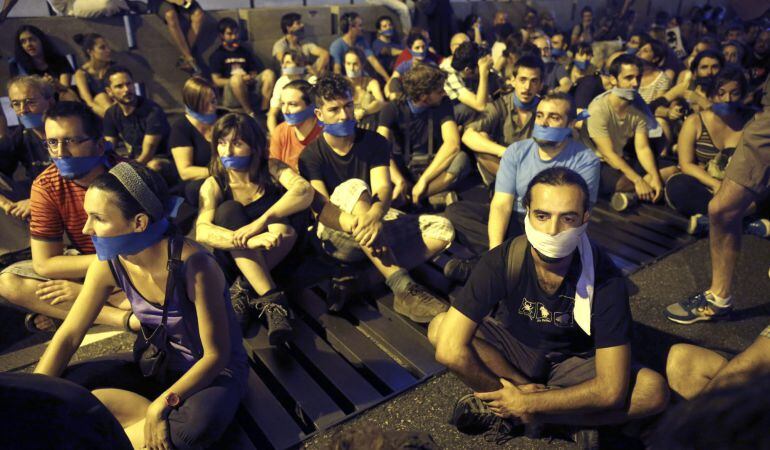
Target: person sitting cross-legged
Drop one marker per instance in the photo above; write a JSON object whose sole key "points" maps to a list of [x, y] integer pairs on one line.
{"points": [[557, 348], [349, 169], [247, 207], [300, 126]]}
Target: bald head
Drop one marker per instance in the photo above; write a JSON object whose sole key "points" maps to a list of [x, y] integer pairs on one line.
{"points": [[457, 40]]}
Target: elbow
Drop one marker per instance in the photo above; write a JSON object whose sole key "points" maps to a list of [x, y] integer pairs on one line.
{"points": [[42, 268], [614, 398], [305, 192]]}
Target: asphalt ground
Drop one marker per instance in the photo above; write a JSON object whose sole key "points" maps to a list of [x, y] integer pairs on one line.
{"points": [[426, 408]]}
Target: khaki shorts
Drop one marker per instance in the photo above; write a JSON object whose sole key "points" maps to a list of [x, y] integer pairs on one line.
{"points": [[750, 165]]}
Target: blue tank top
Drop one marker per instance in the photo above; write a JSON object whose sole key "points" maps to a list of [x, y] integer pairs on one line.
{"points": [[185, 347]]}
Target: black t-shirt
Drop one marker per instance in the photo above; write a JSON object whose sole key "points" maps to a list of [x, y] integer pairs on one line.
{"points": [[319, 162], [56, 67], [397, 117], [586, 89], [147, 118], [222, 62], [184, 134], [545, 321], [25, 148]]}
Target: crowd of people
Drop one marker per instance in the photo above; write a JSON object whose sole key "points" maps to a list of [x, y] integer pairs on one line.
{"points": [[358, 152]]}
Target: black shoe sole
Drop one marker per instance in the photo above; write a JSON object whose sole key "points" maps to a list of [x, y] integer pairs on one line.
{"points": [[278, 337]]}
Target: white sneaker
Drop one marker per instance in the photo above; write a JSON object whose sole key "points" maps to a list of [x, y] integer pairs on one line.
{"points": [[620, 201]]}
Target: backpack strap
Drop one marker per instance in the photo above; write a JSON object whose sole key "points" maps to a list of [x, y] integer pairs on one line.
{"points": [[517, 250], [175, 244]]}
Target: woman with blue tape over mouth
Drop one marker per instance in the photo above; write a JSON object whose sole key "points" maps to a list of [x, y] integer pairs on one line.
{"points": [[368, 99], [250, 208], [178, 295], [294, 66]]}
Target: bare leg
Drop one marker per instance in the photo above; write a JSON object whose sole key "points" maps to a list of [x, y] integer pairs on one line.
{"points": [[129, 408], [441, 183], [22, 292], [177, 35], [690, 369], [649, 396], [726, 211], [268, 83], [489, 162], [754, 362], [255, 265], [241, 92], [196, 23]]}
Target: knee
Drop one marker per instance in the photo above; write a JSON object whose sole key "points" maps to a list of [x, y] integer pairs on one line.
{"points": [[722, 212], [268, 76], [172, 19], [10, 286], [433, 328], [229, 215], [678, 365], [191, 435], [237, 81], [197, 17]]}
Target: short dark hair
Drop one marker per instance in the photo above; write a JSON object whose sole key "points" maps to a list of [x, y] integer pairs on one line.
{"points": [[91, 123], [709, 53], [331, 86], [659, 49], [585, 10], [115, 69], [382, 19], [530, 61], [126, 202], [288, 20], [584, 48], [624, 60], [227, 23], [727, 75], [558, 176], [346, 20], [422, 79], [466, 56], [304, 87], [562, 96], [416, 34]]}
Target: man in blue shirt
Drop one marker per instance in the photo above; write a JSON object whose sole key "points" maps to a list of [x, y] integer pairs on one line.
{"points": [[551, 145], [351, 26]]}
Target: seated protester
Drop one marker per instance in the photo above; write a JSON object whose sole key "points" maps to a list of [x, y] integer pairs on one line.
{"points": [[348, 167], [49, 283], [484, 226], [588, 86], [560, 48], [386, 46], [583, 32], [30, 97], [733, 52], [503, 34], [417, 48], [238, 72], [293, 67], [300, 126], [352, 29], [693, 371], [655, 81], [506, 120], [472, 26], [427, 160], [617, 128], [171, 283], [705, 42], [529, 339], [454, 43], [34, 54], [367, 95], [89, 78], [190, 138], [136, 121], [758, 60], [468, 84], [293, 39], [246, 207], [172, 12], [704, 68], [555, 77], [580, 66], [706, 143]]}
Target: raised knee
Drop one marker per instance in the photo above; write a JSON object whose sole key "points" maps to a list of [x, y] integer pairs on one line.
{"points": [[433, 328], [268, 76], [197, 16], [236, 80], [657, 391], [171, 17], [678, 365]]}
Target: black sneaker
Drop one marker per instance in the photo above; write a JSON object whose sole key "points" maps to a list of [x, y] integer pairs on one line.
{"points": [[458, 270], [586, 438], [277, 314], [472, 416], [241, 297]]}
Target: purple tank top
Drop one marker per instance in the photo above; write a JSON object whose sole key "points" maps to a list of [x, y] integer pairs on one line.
{"points": [[182, 322]]}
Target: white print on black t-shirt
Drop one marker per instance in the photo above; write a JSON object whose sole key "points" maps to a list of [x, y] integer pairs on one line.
{"points": [[527, 309], [236, 63], [543, 315]]}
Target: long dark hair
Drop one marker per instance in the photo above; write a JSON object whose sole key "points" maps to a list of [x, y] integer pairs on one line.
{"points": [[247, 130], [50, 54]]}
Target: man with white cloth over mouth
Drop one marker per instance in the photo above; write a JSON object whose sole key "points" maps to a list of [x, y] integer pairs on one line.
{"points": [[541, 331]]}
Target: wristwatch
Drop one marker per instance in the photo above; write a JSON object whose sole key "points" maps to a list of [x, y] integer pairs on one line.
{"points": [[172, 400]]}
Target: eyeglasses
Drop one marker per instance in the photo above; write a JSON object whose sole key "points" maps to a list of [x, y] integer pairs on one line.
{"points": [[54, 144]]}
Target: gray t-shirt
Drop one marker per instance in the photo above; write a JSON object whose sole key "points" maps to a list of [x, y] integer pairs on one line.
{"points": [[604, 122], [282, 46]]}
